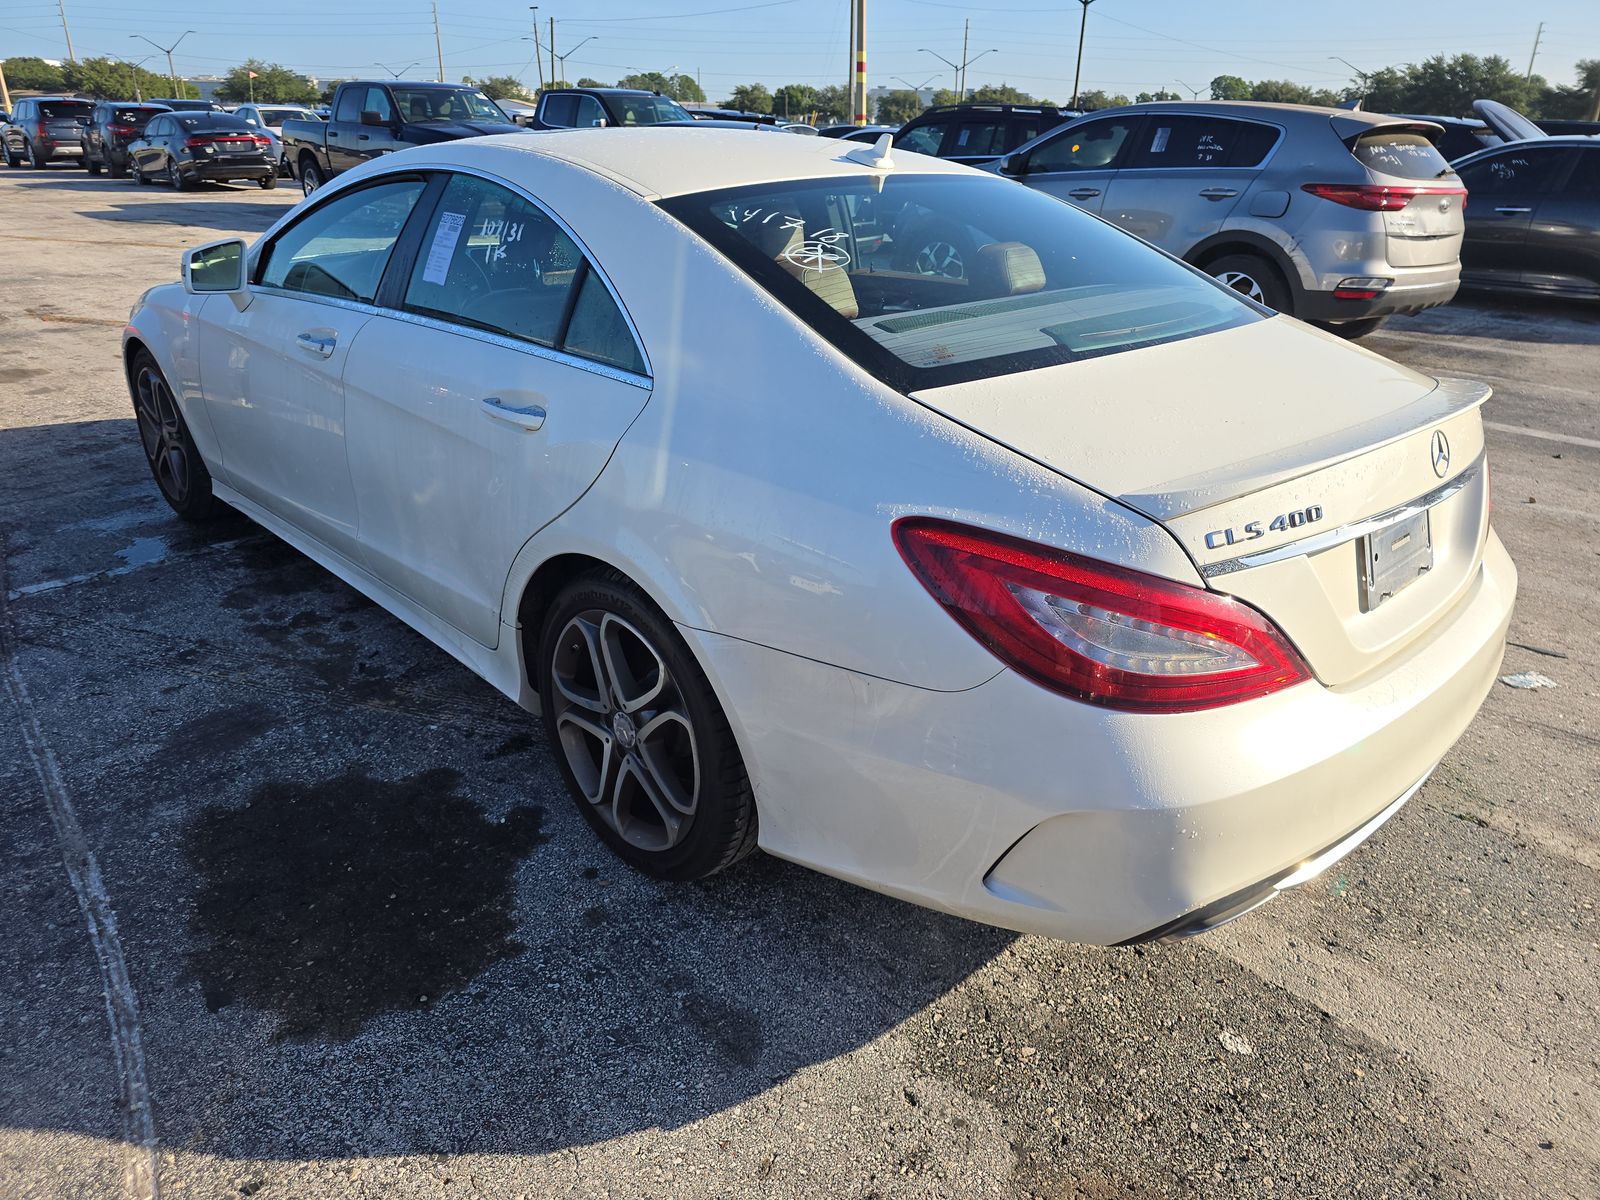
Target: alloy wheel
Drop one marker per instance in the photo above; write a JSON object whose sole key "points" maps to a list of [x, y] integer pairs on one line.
{"points": [[161, 432], [625, 729], [940, 258], [1244, 284]]}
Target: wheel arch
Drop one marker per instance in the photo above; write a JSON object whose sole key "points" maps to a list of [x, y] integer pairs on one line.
{"points": [[1243, 241]]}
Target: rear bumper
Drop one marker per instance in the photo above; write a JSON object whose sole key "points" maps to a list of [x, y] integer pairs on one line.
{"points": [[1010, 805], [217, 172], [1407, 294]]}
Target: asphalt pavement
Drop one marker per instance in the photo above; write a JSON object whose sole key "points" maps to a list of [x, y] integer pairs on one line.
{"points": [[295, 906]]}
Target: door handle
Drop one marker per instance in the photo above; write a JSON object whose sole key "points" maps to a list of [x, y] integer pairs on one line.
{"points": [[1513, 210], [1219, 193], [1084, 193], [529, 417], [316, 343], [361, 137]]}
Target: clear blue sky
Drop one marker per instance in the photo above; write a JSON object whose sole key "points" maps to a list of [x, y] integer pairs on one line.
{"points": [[1133, 45]]}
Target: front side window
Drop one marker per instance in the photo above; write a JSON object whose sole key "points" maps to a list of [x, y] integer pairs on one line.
{"points": [[493, 260], [927, 280], [590, 113], [1090, 147], [340, 248], [1515, 172], [377, 101]]}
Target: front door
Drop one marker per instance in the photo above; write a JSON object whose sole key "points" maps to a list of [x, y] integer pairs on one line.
{"points": [[1078, 162], [1563, 249], [1503, 190], [1184, 175], [273, 375], [485, 411]]}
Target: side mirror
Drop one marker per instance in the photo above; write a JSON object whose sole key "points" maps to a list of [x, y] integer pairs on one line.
{"points": [[1014, 165], [600, 123], [373, 117], [217, 267]]}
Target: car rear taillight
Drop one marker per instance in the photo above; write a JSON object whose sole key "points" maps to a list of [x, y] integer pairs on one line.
{"points": [[196, 142], [122, 130], [261, 141], [1096, 632], [42, 131], [1377, 197]]}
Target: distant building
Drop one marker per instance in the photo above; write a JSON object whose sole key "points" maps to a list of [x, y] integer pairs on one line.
{"points": [[878, 93]]}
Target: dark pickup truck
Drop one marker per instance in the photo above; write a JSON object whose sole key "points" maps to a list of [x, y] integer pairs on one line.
{"points": [[371, 118], [586, 108]]}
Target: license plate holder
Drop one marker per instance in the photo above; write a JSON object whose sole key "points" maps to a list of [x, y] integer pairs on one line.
{"points": [[1393, 558]]}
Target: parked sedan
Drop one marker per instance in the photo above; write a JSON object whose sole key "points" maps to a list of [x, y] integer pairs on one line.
{"points": [[269, 118], [1534, 221], [1009, 594], [186, 148], [113, 125], [42, 128]]}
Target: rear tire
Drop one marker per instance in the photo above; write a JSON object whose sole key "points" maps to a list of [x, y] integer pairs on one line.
{"points": [[634, 724], [115, 169], [175, 177], [140, 177], [310, 176], [268, 182], [91, 165], [39, 161], [1352, 330], [12, 160], [1253, 276], [174, 460]]}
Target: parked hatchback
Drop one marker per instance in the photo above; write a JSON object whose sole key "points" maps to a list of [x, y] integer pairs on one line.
{"points": [[185, 148], [976, 134], [44, 127], [112, 126], [1330, 215]]}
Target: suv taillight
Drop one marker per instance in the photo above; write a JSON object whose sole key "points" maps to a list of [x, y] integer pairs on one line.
{"points": [[122, 130], [1097, 632], [43, 131], [1377, 197]]}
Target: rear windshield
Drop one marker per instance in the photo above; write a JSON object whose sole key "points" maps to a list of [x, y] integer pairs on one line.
{"points": [[926, 280], [1402, 154], [134, 116], [65, 108], [192, 121]]}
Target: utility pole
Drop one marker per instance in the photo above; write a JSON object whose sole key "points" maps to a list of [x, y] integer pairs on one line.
{"points": [[538, 53], [5, 92], [1537, 38], [850, 67], [961, 87], [1083, 27], [438, 42], [860, 90], [553, 79], [61, 7]]}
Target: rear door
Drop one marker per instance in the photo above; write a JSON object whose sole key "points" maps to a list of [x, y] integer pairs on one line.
{"points": [[1503, 189], [1184, 175], [64, 121], [1563, 245], [1077, 164], [483, 410]]}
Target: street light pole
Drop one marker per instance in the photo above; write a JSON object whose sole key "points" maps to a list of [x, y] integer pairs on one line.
{"points": [[538, 53], [172, 71], [1083, 28], [1194, 92], [562, 58], [393, 74], [960, 68]]}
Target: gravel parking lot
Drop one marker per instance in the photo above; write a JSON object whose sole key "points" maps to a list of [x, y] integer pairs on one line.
{"points": [[370, 950]]}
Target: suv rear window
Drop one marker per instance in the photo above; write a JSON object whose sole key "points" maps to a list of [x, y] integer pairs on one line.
{"points": [[65, 108], [926, 280], [1401, 153]]}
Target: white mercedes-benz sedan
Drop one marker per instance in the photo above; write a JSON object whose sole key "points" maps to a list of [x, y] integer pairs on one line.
{"points": [[907, 523]]}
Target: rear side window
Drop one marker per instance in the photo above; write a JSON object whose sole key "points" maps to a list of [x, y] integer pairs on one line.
{"points": [[1187, 141], [1023, 130], [977, 137], [1401, 154], [924, 139], [1585, 179], [340, 248], [1515, 172], [1252, 144]]}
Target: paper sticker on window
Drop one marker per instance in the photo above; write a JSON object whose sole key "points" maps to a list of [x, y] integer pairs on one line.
{"points": [[437, 269], [964, 135], [1160, 144]]}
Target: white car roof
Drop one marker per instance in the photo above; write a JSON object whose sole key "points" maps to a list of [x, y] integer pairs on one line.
{"points": [[662, 162]]}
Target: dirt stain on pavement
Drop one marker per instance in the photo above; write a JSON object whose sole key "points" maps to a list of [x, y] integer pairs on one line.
{"points": [[330, 903], [219, 732]]}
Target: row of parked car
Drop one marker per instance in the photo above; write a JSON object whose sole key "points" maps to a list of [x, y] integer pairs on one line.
{"points": [[1340, 217]]}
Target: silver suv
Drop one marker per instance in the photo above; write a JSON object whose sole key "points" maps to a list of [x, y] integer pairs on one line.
{"points": [[1333, 216]]}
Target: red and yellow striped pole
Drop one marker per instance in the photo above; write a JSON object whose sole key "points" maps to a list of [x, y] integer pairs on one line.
{"points": [[859, 92]]}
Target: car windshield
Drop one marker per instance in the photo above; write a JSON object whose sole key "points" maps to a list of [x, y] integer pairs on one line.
{"points": [[420, 105], [65, 108], [932, 279], [648, 110]]}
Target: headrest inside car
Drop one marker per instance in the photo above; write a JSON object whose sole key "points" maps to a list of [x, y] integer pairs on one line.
{"points": [[1008, 269]]}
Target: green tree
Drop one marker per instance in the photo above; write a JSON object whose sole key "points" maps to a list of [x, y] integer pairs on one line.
{"points": [[499, 87], [1448, 86], [833, 104], [679, 87], [1578, 101], [898, 107], [591, 83], [1158, 94], [274, 83], [1229, 87], [945, 96], [796, 101], [750, 97], [1096, 99], [108, 79], [1284, 91], [1000, 93], [33, 75]]}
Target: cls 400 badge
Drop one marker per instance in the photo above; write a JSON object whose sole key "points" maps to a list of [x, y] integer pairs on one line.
{"points": [[1252, 530]]}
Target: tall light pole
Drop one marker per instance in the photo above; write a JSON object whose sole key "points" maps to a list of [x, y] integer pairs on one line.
{"points": [[172, 71], [138, 92], [1083, 28], [959, 68], [538, 53], [1194, 92], [393, 74], [438, 40], [562, 58], [61, 7]]}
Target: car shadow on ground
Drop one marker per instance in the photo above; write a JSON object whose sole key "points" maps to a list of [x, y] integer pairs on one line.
{"points": [[1485, 314], [363, 915]]}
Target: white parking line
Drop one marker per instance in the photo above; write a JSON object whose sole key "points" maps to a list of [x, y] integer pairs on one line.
{"points": [[1565, 438], [139, 1164]]}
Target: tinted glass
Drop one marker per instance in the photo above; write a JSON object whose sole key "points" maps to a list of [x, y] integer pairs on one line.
{"points": [[137, 117], [648, 110], [1585, 178], [937, 279], [1515, 172], [213, 122], [924, 139], [492, 260], [1023, 129], [1090, 147], [341, 247], [590, 113], [597, 329], [419, 105], [1180, 141], [350, 100], [560, 110], [1401, 154], [1251, 144], [62, 109], [378, 101], [277, 116], [976, 137]]}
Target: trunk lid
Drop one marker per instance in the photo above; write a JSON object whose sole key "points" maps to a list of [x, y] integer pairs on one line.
{"points": [[1278, 457], [1427, 232]]}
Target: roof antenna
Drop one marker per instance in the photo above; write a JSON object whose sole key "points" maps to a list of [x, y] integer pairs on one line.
{"points": [[875, 155]]}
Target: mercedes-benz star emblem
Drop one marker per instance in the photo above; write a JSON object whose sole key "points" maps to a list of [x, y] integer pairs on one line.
{"points": [[1440, 453]]}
